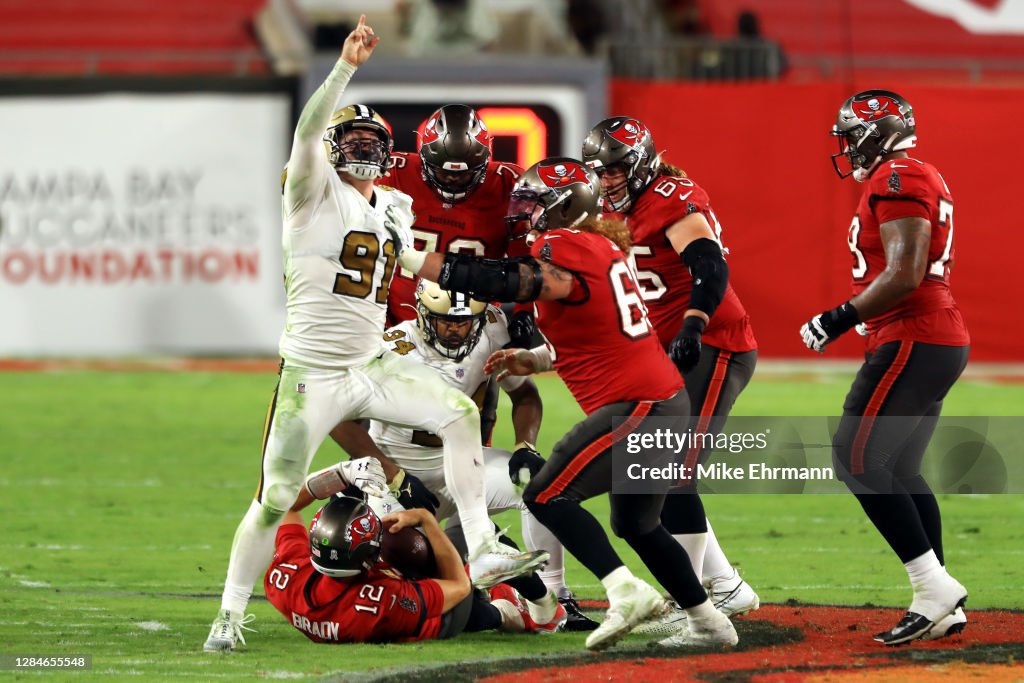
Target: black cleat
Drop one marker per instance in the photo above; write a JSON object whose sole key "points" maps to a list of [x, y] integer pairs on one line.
{"points": [[911, 627], [577, 620]]}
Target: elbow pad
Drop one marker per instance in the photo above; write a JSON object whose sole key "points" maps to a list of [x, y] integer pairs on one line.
{"points": [[487, 279], [703, 257]]}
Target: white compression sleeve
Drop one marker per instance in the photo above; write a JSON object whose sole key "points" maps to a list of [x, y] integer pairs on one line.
{"points": [[536, 536], [251, 552], [464, 479], [306, 168]]}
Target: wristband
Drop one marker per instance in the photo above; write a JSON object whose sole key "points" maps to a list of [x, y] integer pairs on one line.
{"points": [[396, 483], [412, 259]]}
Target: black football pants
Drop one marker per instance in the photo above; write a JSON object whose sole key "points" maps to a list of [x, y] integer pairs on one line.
{"points": [[713, 385], [580, 467], [880, 460]]}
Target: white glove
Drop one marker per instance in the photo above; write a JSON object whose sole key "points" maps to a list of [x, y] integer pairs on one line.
{"points": [[862, 329], [364, 473], [400, 231], [813, 335], [401, 234]]}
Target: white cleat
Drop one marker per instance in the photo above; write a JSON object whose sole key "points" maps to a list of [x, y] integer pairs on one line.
{"points": [[716, 631], [630, 603], [948, 625], [666, 625], [732, 597], [497, 562], [226, 631]]}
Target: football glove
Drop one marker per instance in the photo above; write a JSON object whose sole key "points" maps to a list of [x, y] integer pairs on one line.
{"points": [[524, 464], [521, 329], [684, 350], [828, 326], [366, 474], [413, 493]]}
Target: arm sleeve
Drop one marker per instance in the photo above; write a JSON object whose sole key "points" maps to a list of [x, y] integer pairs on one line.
{"points": [[307, 167]]}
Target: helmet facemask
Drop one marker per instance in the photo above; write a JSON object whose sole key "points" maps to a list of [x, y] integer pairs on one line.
{"points": [[462, 317], [359, 142], [453, 185], [362, 157]]}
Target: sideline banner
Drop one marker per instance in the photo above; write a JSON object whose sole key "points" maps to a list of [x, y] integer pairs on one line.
{"points": [[138, 223]]}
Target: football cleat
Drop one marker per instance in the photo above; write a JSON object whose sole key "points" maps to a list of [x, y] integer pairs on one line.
{"points": [[733, 596], [630, 603], [576, 619], [715, 631], [496, 562], [668, 624], [949, 625], [911, 627], [226, 631], [933, 601], [516, 616]]}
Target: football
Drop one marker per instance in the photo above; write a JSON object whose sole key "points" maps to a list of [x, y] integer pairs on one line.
{"points": [[409, 552]]}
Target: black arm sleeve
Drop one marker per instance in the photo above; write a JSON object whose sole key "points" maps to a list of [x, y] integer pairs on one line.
{"points": [[487, 279], [710, 274]]}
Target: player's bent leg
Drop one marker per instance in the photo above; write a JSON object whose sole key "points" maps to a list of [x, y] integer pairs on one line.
{"points": [[414, 395], [298, 424]]}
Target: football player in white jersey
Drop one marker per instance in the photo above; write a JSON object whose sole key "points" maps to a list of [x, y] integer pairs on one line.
{"points": [[455, 335], [338, 263]]}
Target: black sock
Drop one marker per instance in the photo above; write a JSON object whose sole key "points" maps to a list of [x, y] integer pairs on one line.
{"points": [[927, 511], [894, 514], [670, 565], [529, 586], [579, 533]]}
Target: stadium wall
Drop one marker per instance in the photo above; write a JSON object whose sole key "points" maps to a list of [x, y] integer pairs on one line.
{"points": [[762, 152], [142, 216]]}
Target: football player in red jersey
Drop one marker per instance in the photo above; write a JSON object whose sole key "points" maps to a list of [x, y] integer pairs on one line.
{"points": [[330, 583], [902, 243], [459, 196], [605, 350], [678, 257]]}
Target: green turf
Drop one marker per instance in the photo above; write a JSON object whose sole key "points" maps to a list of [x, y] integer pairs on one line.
{"points": [[120, 493]]}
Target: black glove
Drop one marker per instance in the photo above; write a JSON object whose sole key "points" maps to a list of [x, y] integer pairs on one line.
{"points": [[521, 329], [828, 326], [684, 350], [525, 457], [413, 493]]}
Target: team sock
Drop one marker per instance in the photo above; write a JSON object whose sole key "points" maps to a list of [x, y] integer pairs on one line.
{"points": [[251, 552]]}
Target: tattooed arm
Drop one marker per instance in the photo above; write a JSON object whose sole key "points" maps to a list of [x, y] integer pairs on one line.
{"points": [[557, 283]]}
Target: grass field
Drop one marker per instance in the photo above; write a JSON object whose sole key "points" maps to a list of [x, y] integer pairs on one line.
{"points": [[120, 492]]}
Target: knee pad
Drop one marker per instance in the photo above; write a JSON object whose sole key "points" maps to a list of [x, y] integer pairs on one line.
{"points": [[278, 498], [464, 406]]}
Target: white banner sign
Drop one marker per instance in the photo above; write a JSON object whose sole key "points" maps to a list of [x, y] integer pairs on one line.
{"points": [[141, 223]]}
